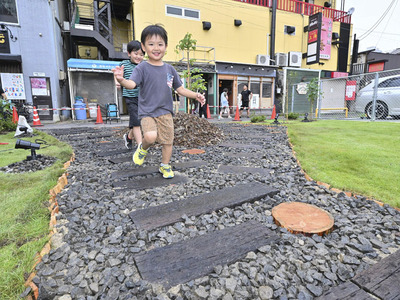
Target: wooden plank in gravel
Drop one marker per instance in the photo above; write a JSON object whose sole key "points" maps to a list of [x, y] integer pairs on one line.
{"points": [[382, 279], [148, 183], [346, 291], [99, 136], [162, 215], [150, 170], [187, 260], [242, 154], [119, 160], [239, 169], [238, 145], [113, 152]]}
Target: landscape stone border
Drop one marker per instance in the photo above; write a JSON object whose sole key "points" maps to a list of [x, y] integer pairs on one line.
{"points": [[54, 209]]}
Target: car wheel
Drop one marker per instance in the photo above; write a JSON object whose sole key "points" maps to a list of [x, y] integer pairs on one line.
{"points": [[381, 110]]}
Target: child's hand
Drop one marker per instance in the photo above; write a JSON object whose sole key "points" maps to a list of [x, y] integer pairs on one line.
{"points": [[118, 73], [201, 98]]}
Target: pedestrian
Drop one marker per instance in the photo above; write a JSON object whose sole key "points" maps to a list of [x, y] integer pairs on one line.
{"points": [[224, 104], [247, 95], [175, 97], [203, 109], [136, 55], [156, 80]]}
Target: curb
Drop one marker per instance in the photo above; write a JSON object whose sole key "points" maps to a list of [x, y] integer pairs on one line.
{"points": [[53, 208]]}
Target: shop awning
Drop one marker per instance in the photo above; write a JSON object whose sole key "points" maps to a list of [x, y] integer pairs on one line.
{"points": [[91, 64], [10, 57]]}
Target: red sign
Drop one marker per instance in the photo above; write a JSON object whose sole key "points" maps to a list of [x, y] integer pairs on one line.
{"points": [[313, 36], [351, 86], [376, 67]]}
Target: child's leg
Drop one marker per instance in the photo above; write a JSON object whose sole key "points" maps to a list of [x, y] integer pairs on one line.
{"points": [[149, 138], [136, 133], [166, 154]]}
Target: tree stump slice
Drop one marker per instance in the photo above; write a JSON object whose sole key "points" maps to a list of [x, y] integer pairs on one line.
{"points": [[194, 151], [303, 218]]}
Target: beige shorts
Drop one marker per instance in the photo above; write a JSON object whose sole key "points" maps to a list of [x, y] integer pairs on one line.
{"points": [[163, 125]]}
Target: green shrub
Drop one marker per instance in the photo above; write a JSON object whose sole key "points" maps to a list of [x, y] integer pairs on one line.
{"points": [[293, 116], [6, 123], [257, 119]]}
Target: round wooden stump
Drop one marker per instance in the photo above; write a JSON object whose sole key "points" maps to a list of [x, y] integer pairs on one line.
{"points": [[194, 151], [304, 218]]}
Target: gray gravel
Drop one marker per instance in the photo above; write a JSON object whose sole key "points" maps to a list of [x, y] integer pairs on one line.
{"points": [[92, 255]]}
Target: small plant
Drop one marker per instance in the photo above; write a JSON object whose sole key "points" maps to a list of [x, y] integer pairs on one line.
{"points": [[257, 119], [6, 123], [293, 116], [313, 92]]}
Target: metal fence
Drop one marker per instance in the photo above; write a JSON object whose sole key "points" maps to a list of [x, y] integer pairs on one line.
{"points": [[374, 96]]}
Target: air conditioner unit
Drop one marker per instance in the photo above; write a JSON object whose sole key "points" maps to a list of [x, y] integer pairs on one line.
{"points": [[281, 59], [263, 59], [295, 59]]}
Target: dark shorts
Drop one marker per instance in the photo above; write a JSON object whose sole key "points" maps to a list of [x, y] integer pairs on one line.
{"points": [[245, 105], [132, 105]]}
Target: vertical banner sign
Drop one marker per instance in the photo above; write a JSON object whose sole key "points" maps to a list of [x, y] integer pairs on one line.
{"points": [[314, 38], [326, 38], [4, 42], [351, 89]]}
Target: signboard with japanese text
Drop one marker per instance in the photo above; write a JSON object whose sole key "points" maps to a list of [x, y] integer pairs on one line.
{"points": [[13, 85], [326, 38], [314, 38], [4, 42], [351, 86]]}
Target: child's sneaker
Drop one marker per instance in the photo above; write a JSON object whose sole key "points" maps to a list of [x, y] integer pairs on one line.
{"points": [[219, 117], [139, 155], [127, 141], [166, 171], [229, 117]]}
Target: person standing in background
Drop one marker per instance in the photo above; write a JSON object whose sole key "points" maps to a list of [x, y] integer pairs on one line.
{"points": [[247, 95]]}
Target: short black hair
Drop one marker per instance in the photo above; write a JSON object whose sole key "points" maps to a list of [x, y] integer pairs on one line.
{"points": [[134, 46], [151, 30], [225, 89]]}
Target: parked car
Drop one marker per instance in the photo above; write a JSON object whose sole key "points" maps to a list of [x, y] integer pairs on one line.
{"points": [[387, 101]]}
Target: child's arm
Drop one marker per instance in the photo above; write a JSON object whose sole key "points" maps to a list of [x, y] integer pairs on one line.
{"points": [[187, 93], [119, 77]]}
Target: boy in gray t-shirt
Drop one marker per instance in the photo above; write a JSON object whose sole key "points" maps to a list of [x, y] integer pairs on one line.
{"points": [[156, 80]]}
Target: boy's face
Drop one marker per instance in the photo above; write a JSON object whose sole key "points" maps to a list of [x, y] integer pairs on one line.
{"points": [[136, 57], [155, 48]]}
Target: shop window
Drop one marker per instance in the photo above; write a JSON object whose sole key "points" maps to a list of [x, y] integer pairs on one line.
{"points": [[187, 13], [266, 90], [8, 11]]}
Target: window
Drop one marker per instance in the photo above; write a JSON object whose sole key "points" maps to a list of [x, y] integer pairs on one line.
{"points": [[392, 82], [182, 12], [8, 11]]}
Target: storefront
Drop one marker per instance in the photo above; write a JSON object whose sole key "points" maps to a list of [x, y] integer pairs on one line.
{"points": [[93, 81], [259, 79]]}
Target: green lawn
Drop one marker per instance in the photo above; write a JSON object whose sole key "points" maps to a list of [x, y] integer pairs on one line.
{"points": [[361, 157], [24, 217]]}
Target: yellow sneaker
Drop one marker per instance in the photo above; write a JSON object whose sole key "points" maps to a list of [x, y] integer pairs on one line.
{"points": [[139, 155], [166, 171]]}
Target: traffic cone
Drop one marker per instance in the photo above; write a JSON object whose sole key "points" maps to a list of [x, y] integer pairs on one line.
{"points": [[237, 115], [99, 119], [273, 113], [36, 119], [208, 112], [15, 115]]}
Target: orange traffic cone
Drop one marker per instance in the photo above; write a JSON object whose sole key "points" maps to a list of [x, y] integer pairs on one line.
{"points": [[208, 112], [99, 119], [36, 119], [273, 113], [15, 115], [237, 115]]}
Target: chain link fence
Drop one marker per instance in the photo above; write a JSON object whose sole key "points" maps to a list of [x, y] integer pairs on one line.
{"points": [[374, 96]]}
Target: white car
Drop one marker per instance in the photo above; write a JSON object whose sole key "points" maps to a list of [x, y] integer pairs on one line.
{"points": [[387, 101]]}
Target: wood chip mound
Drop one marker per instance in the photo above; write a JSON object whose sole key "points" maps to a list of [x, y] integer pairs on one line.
{"points": [[192, 131]]}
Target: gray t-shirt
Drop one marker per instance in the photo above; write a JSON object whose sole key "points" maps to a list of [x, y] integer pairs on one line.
{"points": [[156, 83]]}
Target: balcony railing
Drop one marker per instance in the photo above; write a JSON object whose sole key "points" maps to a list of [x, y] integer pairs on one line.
{"points": [[300, 7]]}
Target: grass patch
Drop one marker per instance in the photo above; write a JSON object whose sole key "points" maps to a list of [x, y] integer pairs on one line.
{"points": [[361, 157], [24, 217]]}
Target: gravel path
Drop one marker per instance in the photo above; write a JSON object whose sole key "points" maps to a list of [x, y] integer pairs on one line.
{"points": [[97, 240]]}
